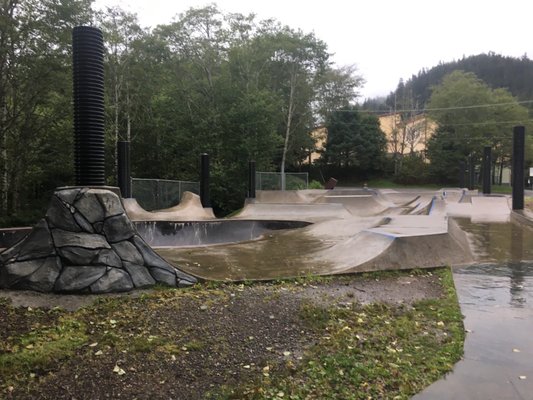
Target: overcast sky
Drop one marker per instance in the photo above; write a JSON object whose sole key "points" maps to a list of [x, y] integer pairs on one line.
{"points": [[386, 40]]}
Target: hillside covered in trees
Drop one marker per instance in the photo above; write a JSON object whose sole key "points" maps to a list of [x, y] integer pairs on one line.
{"points": [[497, 71]]}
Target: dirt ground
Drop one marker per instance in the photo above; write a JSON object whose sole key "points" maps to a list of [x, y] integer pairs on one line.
{"points": [[183, 344]]}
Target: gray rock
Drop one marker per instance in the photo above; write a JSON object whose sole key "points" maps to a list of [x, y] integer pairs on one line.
{"points": [[82, 222], [74, 279], [118, 228], [80, 239], [44, 278], [110, 202], [90, 207], [128, 252], [99, 227], [114, 280], [183, 283], [139, 275], [59, 216], [151, 259], [11, 253], [163, 276], [73, 255], [38, 244], [69, 196], [108, 258], [11, 273]]}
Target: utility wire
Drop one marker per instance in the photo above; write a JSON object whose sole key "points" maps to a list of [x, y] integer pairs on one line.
{"points": [[440, 109]]}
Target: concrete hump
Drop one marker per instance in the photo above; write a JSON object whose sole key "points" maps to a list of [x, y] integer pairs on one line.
{"points": [[189, 209]]}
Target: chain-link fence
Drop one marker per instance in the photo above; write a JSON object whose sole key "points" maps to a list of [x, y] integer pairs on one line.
{"points": [[272, 180], [156, 194]]}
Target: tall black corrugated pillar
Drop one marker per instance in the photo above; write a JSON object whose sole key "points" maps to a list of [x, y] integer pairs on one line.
{"points": [[204, 180], [462, 173], [518, 167], [124, 171], [88, 79], [471, 173], [251, 179], [487, 168]]}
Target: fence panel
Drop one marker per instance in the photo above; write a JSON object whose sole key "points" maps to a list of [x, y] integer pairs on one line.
{"points": [[156, 194], [272, 180]]}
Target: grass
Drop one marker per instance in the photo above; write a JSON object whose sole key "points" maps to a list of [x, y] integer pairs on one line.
{"points": [[373, 351], [20, 357], [363, 351]]}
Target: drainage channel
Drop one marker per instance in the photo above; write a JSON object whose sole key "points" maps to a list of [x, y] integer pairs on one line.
{"points": [[496, 298]]}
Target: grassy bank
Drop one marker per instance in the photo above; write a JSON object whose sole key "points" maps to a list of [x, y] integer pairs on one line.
{"points": [[287, 340]]}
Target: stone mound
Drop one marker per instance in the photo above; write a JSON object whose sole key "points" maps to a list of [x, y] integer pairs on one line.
{"points": [[86, 244]]}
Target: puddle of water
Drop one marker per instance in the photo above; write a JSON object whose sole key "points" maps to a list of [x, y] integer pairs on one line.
{"points": [[278, 255], [496, 298]]}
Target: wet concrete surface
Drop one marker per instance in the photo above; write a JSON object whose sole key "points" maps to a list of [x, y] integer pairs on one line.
{"points": [[276, 255], [496, 298]]}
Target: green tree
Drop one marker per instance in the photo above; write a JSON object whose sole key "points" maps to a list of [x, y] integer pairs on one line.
{"points": [[35, 97], [470, 115], [355, 141]]}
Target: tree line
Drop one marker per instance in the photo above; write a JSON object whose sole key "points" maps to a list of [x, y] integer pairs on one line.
{"points": [[226, 84]]}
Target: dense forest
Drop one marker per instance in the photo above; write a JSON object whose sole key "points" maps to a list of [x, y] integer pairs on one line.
{"points": [[497, 71], [227, 84]]}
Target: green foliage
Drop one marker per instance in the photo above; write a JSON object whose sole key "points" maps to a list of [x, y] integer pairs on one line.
{"points": [[355, 142], [413, 170], [225, 84], [41, 348], [315, 185], [470, 115], [515, 74]]}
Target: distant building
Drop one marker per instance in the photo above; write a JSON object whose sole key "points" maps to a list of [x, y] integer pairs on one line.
{"points": [[320, 136], [408, 136]]}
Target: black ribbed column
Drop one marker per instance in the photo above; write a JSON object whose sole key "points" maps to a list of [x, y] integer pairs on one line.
{"points": [[251, 179], [88, 77], [487, 164], [518, 167], [462, 173], [124, 171], [471, 173], [204, 180]]}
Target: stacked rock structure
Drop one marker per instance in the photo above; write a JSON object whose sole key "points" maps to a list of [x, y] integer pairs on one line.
{"points": [[85, 244]]}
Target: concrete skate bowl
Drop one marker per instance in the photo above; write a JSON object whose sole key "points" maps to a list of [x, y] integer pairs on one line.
{"points": [[205, 233]]}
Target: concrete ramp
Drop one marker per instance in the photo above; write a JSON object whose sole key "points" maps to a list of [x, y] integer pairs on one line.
{"points": [[400, 245], [189, 209], [360, 205], [482, 209], [302, 211]]}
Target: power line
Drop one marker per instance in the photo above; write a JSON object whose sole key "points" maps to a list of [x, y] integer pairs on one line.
{"points": [[441, 108]]}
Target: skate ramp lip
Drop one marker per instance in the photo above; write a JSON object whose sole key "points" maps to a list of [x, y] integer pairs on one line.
{"points": [[295, 211], [189, 209]]}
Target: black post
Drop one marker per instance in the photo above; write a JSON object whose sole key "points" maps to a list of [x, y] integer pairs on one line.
{"points": [[251, 179], [518, 167], [487, 168], [204, 180], [124, 174], [471, 172], [462, 173], [88, 88]]}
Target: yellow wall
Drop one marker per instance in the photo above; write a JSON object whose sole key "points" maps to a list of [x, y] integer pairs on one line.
{"points": [[410, 136]]}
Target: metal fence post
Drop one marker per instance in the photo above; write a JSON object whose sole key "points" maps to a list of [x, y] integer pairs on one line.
{"points": [[487, 164], [518, 167], [204, 180]]}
